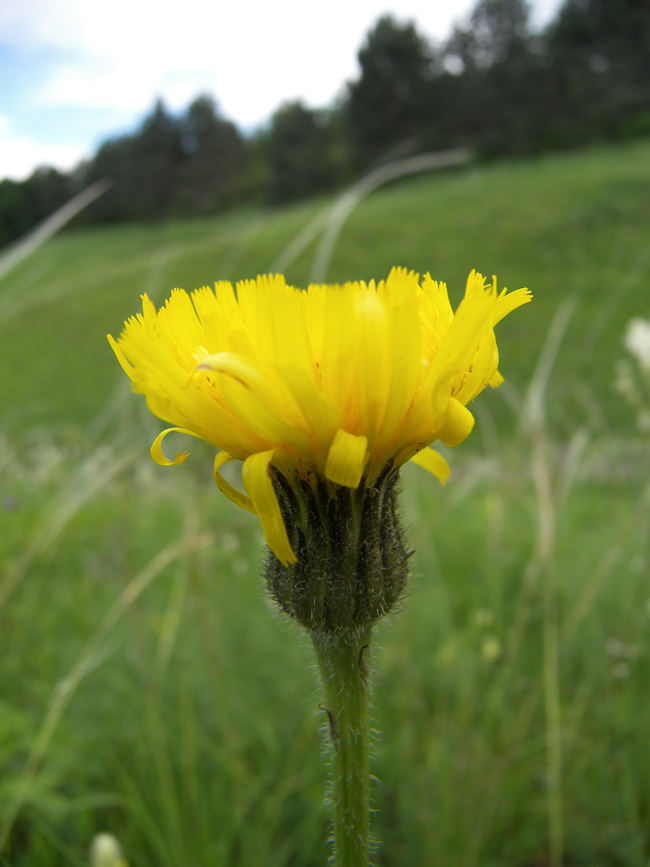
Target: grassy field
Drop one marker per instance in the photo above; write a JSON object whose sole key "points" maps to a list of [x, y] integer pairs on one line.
{"points": [[147, 687]]}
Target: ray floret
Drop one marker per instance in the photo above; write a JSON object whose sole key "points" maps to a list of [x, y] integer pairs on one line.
{"points": [[332, 384]]}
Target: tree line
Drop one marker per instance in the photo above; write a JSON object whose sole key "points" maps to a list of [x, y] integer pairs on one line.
{"points": [[495, 85]]}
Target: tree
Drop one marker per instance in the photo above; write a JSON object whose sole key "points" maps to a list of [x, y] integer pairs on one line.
{"points": [[16, 215], [25, 204], [143, 167], [604, 33], [386, 106], [498, 34], [214, 157], [600, 57], [499, 91], [155, 155], [299, 153], [113, 160]]}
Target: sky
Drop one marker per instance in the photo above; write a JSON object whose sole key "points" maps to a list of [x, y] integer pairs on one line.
{"points": [[76, 72]]}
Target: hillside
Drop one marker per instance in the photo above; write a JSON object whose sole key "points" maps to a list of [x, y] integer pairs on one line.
{"points": [[146, 688]]}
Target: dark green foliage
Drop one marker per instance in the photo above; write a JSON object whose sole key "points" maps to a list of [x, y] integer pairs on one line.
{"points": [[172, 166], [496, 97], [498, 34], [214, 157], [386, 107], [300, 153], [23, 205], [599, 63], [155, 159], [500, 88], [16, 215]]}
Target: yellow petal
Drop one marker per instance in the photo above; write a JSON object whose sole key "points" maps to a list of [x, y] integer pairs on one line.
{"points": [[506, 303], [434, 462], [319, 415], [226, 488], [407, 360], [124, 364], [157, 452], [259, 399], [240, 369], [259, 485], [374, 360], [337, 330], [346, 459], [341, 381], [457, 425]]}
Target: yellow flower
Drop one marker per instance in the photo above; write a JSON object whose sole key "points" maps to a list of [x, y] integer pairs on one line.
{"points": [[334, 383]]}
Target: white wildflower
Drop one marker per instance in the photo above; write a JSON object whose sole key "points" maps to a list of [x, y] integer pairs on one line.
{"points": [[637, 341]]}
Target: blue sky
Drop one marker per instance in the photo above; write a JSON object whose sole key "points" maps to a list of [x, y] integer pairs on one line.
{"points": [[75, 72]]}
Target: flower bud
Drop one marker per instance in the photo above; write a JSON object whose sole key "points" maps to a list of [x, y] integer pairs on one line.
{"points": [[105, 851], [351, 560]]}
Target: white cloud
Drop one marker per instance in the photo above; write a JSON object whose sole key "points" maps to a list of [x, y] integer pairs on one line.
{"points": [[116, 58], [251, 55], [19, 156]]}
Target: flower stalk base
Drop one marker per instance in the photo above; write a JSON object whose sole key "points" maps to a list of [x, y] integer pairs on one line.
{"points": [[343, 661]]}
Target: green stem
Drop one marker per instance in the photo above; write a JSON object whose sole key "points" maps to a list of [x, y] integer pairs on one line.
{"points": [[343, 660]]}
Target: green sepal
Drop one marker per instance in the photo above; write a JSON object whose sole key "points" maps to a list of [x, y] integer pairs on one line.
{"points": [[352, 562]]}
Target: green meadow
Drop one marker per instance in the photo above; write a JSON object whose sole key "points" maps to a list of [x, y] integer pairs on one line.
{"points": [[148, 689]]}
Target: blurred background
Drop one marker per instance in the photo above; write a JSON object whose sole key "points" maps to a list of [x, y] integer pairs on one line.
{"points": [[193, 117], [147, 687]]}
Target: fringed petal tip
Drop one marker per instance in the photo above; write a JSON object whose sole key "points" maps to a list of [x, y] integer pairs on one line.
{"points": [[433, 462], [259, 485], [157, 452]]}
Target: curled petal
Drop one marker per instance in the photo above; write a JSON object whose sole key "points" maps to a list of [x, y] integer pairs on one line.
{"points": [[259, 485], [457, 425], [433, 461], [157, 452], [346, 459], [226, 488]]}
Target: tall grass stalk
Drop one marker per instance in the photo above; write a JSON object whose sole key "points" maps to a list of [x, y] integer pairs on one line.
{"points": [[27, 245], [329, 221], [533, 418], [92, 656], [89, 478]]}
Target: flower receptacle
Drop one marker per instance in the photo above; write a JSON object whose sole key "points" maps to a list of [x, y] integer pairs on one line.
{"points": [[351, 564]]}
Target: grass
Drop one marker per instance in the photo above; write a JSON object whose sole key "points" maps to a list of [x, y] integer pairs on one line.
{"points": [[147, 688]]}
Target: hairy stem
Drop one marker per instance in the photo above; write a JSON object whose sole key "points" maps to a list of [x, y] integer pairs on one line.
{"points": [[343, 659]]}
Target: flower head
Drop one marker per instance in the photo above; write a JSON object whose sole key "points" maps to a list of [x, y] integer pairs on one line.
{"points": [[332, 385]]}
